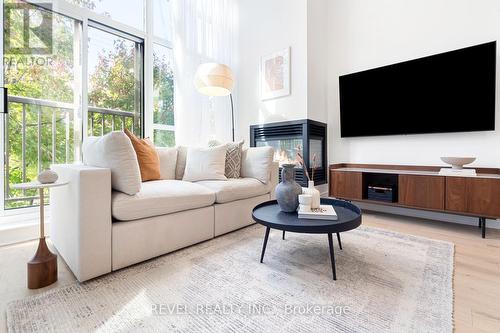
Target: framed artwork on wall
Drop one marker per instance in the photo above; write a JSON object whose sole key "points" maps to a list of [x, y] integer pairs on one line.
{"points": [[275, 75]]}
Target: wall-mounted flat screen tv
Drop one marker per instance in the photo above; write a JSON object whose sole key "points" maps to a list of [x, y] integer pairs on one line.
{"points": [[448, 92]]}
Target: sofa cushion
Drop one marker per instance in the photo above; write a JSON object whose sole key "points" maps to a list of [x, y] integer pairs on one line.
{"points": [[160, 197], [168, 162], [256, 163], [233, 157], [235, 188], [181, 162], [147, 156], [205, 164], [114, 151]]}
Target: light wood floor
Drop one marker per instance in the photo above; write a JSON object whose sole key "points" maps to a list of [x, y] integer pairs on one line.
{"points": [[476, 277], [476, 280]]}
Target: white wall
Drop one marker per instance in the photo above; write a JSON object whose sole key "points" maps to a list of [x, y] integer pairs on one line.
{"points": [[364, 34], [265, 27], [317, 60]]}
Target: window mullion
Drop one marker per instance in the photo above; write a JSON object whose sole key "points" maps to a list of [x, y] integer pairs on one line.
{"points": [[162, 42], [78, 89], [79, 13], [163, 127], [114, 31], [148, 71], [85, 86], [3, 136]]}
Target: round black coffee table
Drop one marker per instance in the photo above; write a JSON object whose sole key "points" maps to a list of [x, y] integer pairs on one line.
{"points": [[269, 214]]}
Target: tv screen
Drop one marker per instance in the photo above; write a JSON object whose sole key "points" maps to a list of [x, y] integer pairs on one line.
{"points": [[448, 92]]}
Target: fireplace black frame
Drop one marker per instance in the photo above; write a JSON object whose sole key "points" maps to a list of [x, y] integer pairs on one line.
{"points": [[305, 129]]}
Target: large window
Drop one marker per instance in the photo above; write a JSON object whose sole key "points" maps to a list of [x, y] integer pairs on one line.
{"points": [[162, 20], [39, 129], [163, 76], [90, 81], [114, 82], [163, 97], [130, 12]]}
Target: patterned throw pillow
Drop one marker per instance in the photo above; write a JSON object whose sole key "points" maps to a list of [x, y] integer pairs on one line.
{"points": [[233, 157]]}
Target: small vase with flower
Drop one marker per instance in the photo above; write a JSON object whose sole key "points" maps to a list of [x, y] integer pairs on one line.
{"points": [[310, 189]]}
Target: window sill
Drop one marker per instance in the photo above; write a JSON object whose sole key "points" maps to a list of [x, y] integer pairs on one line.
{"points": [[20, 227]]}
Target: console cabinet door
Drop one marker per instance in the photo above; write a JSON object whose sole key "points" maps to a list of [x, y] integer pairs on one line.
{"points": [[346, 184], [483, 197], [456, 194], [422, 191]]}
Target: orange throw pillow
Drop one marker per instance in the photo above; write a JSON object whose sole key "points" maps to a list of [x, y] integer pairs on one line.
{"points": [[149, 161]]}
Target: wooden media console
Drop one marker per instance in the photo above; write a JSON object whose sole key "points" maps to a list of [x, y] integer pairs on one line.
{"points": [[419, 187]]}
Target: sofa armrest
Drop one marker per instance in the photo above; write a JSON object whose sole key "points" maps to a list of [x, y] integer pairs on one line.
{"points": [[80, 219], [274, 179]]}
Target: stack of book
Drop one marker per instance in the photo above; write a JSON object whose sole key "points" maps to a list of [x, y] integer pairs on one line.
{"points": [[324, 212]]}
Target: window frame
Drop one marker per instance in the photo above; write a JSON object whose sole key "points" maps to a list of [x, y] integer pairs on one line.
{"points": [[89, 18], [140, 49], [164, 43], [155, 126], [2, 125]]}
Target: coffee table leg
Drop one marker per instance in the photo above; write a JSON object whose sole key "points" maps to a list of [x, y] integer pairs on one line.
{"points": [[338, 238], [332, 255], [283, 234], [265, 243]]}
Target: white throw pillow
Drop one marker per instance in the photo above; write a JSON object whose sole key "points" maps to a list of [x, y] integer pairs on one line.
{"points": [[233, 157], [205, 164], [256, 163], [181, 162], [114, 151], [168, 162]]}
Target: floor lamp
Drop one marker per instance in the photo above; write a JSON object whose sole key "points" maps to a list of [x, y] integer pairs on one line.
{"points": [[214, 79]]}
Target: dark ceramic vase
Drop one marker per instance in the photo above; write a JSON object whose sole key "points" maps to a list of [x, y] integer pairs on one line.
{"points": [[287, 192]]}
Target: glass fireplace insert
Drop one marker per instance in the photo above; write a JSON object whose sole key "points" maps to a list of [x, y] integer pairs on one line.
{"points": [[290, 137]]}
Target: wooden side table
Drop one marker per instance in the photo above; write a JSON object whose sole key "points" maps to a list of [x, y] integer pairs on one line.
{"points": [[42, 268]]}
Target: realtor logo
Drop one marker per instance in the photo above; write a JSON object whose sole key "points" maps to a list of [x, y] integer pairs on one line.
{"points": [[27, 28]]}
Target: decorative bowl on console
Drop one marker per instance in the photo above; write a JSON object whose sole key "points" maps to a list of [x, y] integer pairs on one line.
{"points": [[458, 162]]}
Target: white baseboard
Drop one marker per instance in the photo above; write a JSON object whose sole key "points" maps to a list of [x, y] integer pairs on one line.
{"points": [[445, 217]]}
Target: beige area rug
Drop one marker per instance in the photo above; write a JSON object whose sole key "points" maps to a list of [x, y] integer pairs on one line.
{"points": [[387, 282]]}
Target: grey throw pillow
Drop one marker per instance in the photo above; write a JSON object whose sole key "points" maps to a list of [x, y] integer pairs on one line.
{"points": [[233, 157]]}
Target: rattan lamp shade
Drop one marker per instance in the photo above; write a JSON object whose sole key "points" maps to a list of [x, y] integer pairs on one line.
{"points": [[214, 79]]}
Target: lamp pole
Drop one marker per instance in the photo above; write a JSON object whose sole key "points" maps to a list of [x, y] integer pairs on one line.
{"points": [[232, 113]]}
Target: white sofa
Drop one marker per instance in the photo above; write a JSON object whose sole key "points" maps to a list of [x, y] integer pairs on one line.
{"points": [[98, 230]]}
